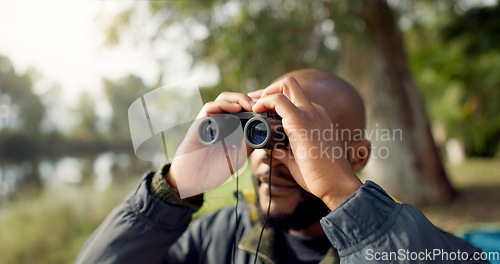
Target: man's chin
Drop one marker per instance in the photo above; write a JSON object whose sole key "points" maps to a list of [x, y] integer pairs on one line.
{"points": [[283, 222]]}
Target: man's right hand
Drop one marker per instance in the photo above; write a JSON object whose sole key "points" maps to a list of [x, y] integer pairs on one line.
{"points": [[197, 168]]}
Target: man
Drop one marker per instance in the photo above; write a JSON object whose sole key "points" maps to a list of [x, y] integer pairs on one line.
{"points": [[320, 212]]}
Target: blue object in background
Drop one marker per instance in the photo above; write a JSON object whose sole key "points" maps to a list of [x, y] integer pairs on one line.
{"points": [[486, 238]]}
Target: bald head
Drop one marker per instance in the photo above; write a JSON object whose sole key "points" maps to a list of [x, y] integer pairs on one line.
{"points": [[339, 98]]}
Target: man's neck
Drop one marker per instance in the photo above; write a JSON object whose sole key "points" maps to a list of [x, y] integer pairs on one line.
{"points": [[314, 230]]}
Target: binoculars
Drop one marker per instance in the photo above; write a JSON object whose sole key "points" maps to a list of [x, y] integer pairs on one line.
{"points": [[260, 130]]}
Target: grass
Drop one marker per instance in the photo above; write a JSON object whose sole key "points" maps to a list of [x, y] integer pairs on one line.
{"points": [[53, 226], [478, 184]]}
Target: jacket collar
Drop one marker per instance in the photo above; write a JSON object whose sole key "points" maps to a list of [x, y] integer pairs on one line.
{"points": [[267, 250]]}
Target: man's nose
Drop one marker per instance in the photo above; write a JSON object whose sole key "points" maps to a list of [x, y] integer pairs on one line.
{"points": [[267, 159]]}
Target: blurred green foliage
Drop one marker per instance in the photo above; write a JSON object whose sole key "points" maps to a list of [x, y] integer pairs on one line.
{"points": [[455, 60], [87, 128], [53, 226], [21, 112], [120, 95], [453, 51], [251, 42], [452, 48], [17, 98]]}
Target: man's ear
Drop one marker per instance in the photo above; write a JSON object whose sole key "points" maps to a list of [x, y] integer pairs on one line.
{"points": [[359, 154]]}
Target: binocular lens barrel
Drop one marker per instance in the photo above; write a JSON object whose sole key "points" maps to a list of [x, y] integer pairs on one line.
{"points": [[208, 131], [258, 133], [265, 132]]}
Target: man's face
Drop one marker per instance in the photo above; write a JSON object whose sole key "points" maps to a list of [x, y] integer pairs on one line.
{"points": [[291, 207]]}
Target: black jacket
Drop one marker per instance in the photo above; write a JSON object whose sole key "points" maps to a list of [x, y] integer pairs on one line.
{"points": [[368, 228]]}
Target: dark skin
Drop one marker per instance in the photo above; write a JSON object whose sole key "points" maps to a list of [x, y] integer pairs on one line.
{"points": [[305, 99]]}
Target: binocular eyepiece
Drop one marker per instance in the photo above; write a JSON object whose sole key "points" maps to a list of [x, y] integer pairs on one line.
{"points": [[260, 130]]}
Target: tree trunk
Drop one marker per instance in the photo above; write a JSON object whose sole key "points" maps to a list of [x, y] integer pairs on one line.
{"points": [[375, 63]]}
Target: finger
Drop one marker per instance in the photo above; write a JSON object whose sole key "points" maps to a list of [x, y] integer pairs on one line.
{"points": [[221, 106], [291, 89], [256, 94], [242, 99], [278, 103]]}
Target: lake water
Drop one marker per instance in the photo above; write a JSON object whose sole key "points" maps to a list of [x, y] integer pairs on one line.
{"points": [[45, 174]]}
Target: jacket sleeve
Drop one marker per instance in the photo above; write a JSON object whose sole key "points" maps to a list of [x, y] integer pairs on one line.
{"points": [[370, 227], [139, 230]]}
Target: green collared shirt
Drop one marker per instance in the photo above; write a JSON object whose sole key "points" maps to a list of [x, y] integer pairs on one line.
{"points": [[269, 252]]}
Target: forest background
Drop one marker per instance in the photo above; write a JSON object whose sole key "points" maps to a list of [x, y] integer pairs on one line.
{"points": [[66, 157]]}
